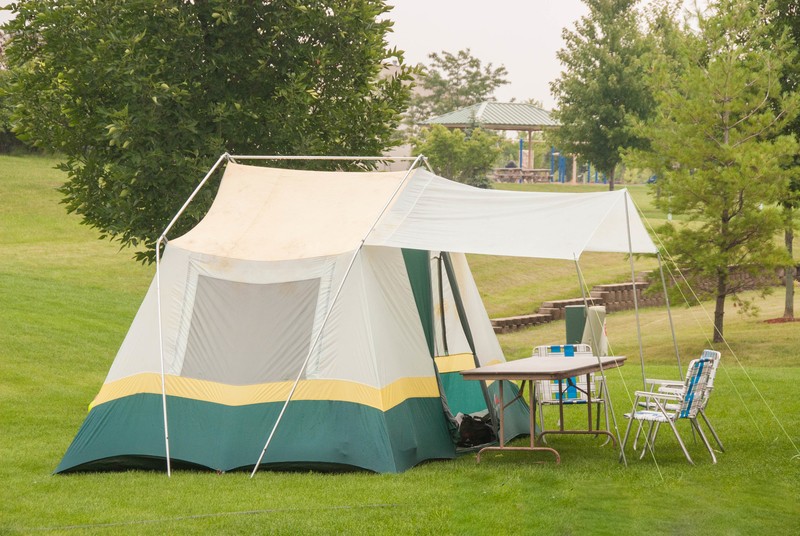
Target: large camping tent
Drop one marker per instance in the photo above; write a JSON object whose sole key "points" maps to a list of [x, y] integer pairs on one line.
{"points": [[348, 293]]}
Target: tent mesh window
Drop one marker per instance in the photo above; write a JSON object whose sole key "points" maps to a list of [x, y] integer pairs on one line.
{"points": [[245, 333]]}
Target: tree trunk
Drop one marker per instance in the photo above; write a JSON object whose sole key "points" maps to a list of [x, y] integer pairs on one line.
{"points": [[719, 309], [788, 308], [611, 180]]}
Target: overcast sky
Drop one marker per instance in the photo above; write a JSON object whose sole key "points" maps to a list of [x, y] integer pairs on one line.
{"points": [[523, 35]]}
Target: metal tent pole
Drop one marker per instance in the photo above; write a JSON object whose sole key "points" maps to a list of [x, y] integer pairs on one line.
{"points": [[635, 299], [161, 357], [439, 262], [609, 405], [194, 193], [162, 240], [413, 159]]}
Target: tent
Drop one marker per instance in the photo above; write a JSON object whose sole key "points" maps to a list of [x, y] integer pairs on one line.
{"points": [[328, 314]]}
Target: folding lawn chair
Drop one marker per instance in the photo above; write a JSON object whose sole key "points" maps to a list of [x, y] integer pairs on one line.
{"points": [[671, 404], [671, 386]]}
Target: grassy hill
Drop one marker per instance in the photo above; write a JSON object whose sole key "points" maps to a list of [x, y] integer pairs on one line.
{"points": [[67, 299]]}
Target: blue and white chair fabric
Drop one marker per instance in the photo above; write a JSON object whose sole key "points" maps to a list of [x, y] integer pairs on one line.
{"points": [[573, 390]]}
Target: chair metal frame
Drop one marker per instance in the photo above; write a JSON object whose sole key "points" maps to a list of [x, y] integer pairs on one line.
{"points": [[672, 386], [672, 404]]}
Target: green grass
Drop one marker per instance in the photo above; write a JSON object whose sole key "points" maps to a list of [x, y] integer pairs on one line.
{"points": [[67, 299]]}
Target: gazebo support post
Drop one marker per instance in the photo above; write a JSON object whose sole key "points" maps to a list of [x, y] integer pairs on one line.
{"points": [[530, 149]]}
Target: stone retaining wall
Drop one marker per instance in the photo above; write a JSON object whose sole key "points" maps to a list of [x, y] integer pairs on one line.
{"points": [[616, 297], [619, 297]]}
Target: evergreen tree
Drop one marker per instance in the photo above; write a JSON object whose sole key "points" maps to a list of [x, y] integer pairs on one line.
{"points": [[715, 142], [786, 19]]}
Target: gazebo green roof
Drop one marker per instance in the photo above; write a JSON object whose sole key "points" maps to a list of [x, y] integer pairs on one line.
{"points": [[497, 116]]}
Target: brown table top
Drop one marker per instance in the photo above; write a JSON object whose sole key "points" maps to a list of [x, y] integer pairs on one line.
{"points": [[544, 368]]}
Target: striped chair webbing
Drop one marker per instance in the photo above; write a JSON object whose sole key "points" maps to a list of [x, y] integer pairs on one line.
{"points": [[695, 387], [573, 390]]}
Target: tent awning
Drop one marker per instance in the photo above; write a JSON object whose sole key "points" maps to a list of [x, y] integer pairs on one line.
{"points": [[437, 214], [268, 214]]}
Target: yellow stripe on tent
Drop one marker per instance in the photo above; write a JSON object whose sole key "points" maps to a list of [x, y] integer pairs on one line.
{"points": [[455, 363], [242, 395], [459, 362]]}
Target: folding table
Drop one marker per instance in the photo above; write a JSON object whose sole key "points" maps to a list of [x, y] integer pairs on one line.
{"points": [[534, 369]]}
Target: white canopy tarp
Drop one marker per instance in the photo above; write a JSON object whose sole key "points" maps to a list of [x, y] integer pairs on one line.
{"points": [[268, 214], [435, 213]]}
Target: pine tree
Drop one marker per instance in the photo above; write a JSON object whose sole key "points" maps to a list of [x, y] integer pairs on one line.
{"points": [[716, 143]]}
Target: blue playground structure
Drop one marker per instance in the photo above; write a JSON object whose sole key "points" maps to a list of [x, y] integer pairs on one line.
{"points": [[558, 169], [557, 160]]}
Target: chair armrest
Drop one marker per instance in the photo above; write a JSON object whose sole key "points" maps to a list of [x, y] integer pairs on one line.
{"points": [[653, 381], [657, 394]]}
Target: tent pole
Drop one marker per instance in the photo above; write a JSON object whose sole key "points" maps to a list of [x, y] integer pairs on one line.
{"points": [[203, 182], [162, 240], [427, 164], [442, 396], [605, 393], [161, 355], [669, 314], [635, 299], [462, 316], [441, 306], [328, 314], [234, 158], [307, 359]]}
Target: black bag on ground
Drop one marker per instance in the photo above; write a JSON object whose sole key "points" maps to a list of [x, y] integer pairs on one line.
{"points": [[475, 431]]}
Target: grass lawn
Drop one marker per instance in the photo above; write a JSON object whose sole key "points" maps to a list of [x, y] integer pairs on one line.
{"points": [[67, 299]]}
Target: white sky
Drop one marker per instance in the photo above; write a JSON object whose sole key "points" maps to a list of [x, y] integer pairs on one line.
{"points": [[523, 35]]}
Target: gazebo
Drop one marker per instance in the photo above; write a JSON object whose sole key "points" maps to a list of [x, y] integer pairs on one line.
{"points": [[490, 115]]}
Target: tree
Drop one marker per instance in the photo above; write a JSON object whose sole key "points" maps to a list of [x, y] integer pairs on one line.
{"points": [[142, 96], [602, 88], [453, 81], [8, 141], [787, 19], [715, 144], [466, 158]]}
